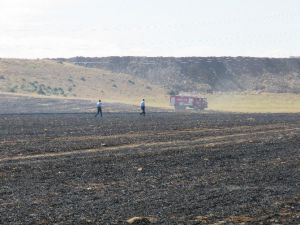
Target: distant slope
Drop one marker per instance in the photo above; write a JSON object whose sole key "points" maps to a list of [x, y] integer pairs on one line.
{"points": [[206, 74], [62, 79], [14, 103]]}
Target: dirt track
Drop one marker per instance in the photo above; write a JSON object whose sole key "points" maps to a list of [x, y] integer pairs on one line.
{"points": [[173, 168]]}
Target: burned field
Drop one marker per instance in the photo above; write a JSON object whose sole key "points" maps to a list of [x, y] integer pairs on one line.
{"points": [[169, 168]]}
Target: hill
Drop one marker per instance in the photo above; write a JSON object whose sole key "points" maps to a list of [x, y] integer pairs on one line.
{"points": [[206, 74], [230, 84], [65, 80]]}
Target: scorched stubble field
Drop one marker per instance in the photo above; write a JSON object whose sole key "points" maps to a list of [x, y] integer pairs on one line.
{"points": [[169, 168]]}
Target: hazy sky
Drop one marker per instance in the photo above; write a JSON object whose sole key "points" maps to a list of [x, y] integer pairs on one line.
{"points": [[66, 28]]}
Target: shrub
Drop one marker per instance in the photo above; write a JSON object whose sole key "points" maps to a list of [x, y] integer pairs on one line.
{"points": [[58, 91], [173, 92], [41, 91], [13, 88], [131, 82]]}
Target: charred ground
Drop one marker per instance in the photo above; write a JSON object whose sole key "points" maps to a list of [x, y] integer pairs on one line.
{"points": [[173, 168]]}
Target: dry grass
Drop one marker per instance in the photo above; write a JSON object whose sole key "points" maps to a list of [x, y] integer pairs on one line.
{"points": [[263, 102], [71, 81]]}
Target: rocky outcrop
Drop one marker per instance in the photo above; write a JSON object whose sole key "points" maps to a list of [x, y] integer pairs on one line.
{"points": [[206, 74]]}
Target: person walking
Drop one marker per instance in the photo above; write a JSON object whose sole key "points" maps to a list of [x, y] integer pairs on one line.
{"points": [[99, 108], [143, 108]]}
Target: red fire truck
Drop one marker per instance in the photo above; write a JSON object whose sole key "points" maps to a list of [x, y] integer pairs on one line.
{"points": [[185, 102]]}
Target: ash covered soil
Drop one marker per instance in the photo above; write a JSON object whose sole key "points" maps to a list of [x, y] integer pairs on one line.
{"points": [[167, 168]]}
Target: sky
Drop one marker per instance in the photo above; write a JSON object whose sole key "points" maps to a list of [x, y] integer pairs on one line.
{"points": [[68, 28]]}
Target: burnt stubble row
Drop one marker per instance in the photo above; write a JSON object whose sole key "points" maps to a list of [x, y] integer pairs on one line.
{"points": [[166, 168]]}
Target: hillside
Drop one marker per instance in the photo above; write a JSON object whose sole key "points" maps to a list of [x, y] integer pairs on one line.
{"points": [[249, 87], [60, 79], [206, 74]]}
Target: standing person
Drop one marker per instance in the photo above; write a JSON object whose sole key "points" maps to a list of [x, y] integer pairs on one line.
{"points": [[99, 108], [143, 108]]}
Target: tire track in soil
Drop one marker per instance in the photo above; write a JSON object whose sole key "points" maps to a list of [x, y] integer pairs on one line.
{"points": [[79, 143], [166, 145], [151, 133]]}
